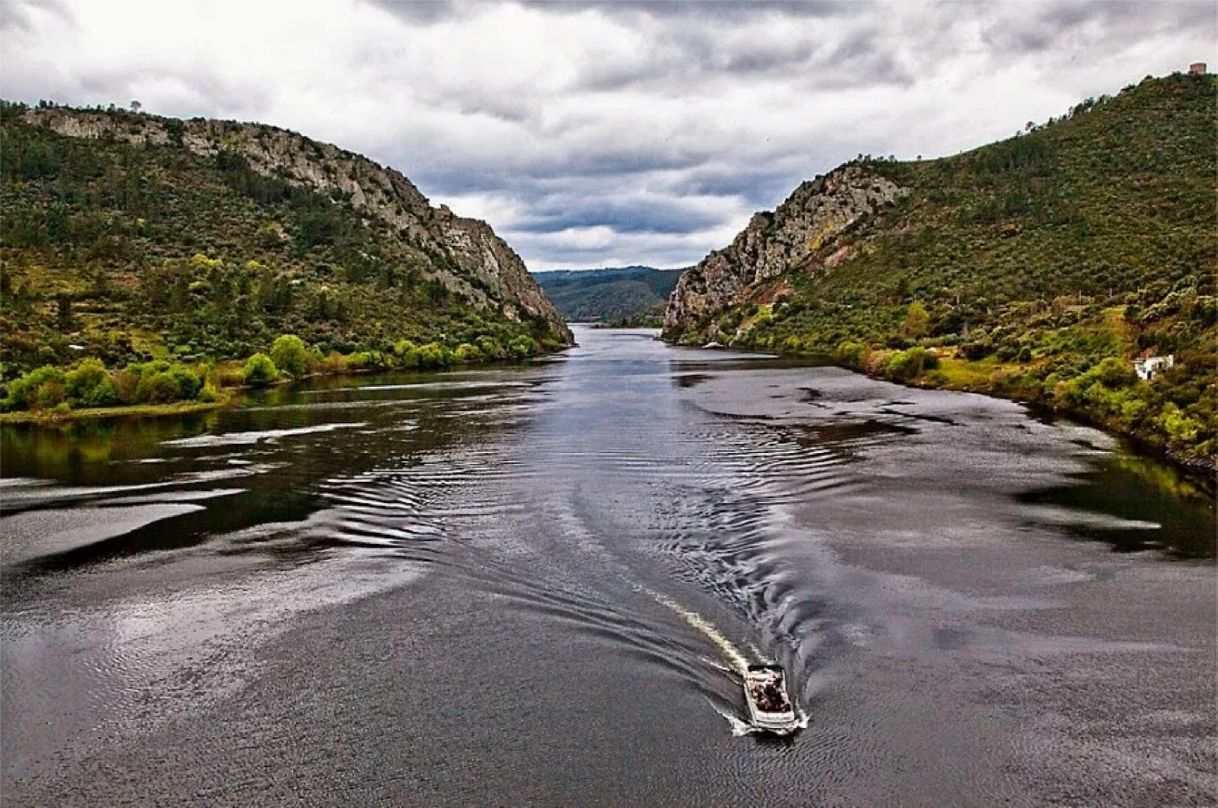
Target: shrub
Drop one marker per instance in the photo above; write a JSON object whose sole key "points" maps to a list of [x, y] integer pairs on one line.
{"points": [[851, 354], [228, 375], [1114, 373], [434, 355], [1007, 352], [189, 382], [917, 320], [49, 394], [210, 393], [366, 360], [260, 370], [333, 362], [44, 384], [104, 394], [490, 348], [978, 349], [126, 382], [467, 353], [84, 378], [159, 388], [289, 353], [522, 346], [1180, 429], [908, 365]]}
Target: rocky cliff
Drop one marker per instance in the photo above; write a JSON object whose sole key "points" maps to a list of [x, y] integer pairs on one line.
{"points": [[465, 255], [1037, 267], [802, 232]]}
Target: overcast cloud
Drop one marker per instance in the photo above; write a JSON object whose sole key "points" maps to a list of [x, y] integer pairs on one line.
{"points": [[597, 134]]}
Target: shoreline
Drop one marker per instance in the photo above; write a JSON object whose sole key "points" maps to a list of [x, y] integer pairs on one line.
{"points": [[1195, 469], [49, 418], [966, 381], [54, 418]]}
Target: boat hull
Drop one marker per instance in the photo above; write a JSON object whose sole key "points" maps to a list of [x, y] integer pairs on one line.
{"points": [[757, 680]]}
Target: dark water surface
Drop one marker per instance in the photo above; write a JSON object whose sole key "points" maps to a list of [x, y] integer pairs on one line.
{"points": [[532, 585]]}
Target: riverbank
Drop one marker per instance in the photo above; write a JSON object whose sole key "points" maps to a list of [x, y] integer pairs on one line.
{"points": [[1105, 396], [51, 396], [1072, 398], [58, 417]]}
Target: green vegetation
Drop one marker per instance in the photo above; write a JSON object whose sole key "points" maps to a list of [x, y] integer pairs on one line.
{"points": [[904, 366], [50, 392], [259, 371], [133, 257], [288, 353], [627, 296], [1037, 268], [69, 416], [90, 384]]}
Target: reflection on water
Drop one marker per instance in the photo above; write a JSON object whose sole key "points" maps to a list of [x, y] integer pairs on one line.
{"points": [[581, 553], [285, 454], [1149, 505]]}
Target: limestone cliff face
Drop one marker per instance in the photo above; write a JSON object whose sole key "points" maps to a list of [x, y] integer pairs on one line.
{"points": [[480, 266], [802, 232]]}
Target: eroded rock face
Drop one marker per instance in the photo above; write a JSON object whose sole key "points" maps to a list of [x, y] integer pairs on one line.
{"points": [[485, 270], [793, 235]]}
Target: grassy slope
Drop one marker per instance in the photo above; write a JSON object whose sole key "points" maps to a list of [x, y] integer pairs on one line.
{"points": [[152, 252], [1035, 259], [610, 295]]}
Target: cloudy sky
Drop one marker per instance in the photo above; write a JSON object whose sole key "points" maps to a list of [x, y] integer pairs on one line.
{"points": [[597, 134]]}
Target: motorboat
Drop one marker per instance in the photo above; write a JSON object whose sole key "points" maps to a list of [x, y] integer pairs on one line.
{"points": [[770, 708]]}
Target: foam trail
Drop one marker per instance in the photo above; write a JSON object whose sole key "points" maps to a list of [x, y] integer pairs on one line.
{"points": [[739, 662], [760, 656], [714, 663], [740, 727]]}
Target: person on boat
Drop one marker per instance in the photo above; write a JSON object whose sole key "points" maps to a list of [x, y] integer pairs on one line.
{"points": [[772, 700]]}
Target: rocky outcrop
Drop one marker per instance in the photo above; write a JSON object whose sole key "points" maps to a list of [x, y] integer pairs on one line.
{"points": [[802, 232], [475, 263]]}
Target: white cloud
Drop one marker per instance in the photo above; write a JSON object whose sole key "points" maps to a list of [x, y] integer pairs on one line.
{"points": [[591, 134]]}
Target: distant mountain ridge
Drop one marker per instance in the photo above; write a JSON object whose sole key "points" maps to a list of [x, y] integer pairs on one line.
{"points": [[632, 295]]}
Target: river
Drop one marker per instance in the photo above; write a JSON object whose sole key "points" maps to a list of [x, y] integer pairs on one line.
{"points": [[534, 584]]}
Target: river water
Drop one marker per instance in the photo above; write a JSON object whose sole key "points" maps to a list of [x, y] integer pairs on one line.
{"points": [[535, 585]]}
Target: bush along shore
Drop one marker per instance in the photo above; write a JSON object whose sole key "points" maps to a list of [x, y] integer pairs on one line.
{"points": [[1171, 413], [89, 389]]}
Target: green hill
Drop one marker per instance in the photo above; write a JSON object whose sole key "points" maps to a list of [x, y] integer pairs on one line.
{"points": [[1038, 267], [131, 239], [634, 295]]}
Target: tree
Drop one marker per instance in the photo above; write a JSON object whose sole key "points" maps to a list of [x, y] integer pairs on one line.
{"points": [[63, 312], [288, 352], [136, 106], [917, 320], [260, 370]]}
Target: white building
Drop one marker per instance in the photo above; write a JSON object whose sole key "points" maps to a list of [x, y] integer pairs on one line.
{"points": [[1152, 366]]}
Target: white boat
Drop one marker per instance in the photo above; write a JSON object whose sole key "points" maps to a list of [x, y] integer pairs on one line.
{"points": [[770, 708]]}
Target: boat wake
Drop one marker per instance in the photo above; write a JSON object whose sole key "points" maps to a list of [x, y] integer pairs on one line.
{"points": [[738, 664], [741, 727]]}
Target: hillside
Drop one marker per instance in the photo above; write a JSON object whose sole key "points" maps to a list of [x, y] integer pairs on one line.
{"points": [[1038, 267], [129, 238], [634, 295]]}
